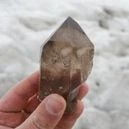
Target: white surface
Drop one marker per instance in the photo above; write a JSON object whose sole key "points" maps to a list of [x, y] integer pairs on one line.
{"points": [[26, 24]]}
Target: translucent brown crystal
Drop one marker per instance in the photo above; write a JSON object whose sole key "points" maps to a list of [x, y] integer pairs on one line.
{"points": [[66, 61]]}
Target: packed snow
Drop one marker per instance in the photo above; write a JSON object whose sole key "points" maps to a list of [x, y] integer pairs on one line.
{"points": [[26, 24]]}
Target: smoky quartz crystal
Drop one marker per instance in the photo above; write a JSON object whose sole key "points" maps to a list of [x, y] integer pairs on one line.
{"points": [[66, 62]]}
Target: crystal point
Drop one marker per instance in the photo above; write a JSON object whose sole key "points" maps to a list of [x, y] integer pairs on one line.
{"points": [[66, 61]]}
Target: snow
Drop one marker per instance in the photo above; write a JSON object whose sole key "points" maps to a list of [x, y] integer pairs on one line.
{"points": [[25, 25]]}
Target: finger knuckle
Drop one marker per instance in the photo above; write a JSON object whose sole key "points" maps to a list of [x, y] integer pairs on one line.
{"points": [[36, 124], [39, 124]]}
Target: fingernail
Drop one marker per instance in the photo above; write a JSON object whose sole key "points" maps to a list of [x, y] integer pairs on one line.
{"points": [[54, 105]]}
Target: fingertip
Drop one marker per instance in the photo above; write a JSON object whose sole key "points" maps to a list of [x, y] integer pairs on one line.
{"points": [[83, 90], [55, 104], [35, 75], [85, 87]]}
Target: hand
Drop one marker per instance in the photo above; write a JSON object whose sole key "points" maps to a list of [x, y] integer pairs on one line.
{"points": [[20, 108]]}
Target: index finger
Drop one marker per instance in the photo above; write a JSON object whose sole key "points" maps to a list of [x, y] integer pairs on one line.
{"points": [[17, 97]]}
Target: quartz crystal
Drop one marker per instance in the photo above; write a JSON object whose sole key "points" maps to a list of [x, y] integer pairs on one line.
{"points": [[66, 62]]}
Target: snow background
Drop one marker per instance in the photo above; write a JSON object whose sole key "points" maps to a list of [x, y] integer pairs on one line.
{"points": [[26, 24]]}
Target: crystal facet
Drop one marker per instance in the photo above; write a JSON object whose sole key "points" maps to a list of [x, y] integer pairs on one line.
{"points": [[66, 61]]}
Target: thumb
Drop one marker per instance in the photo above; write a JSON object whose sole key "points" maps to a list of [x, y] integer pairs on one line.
{"points": [[47, 115]]}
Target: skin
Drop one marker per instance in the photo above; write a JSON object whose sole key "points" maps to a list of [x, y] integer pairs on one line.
{"points": [[20, 108]]}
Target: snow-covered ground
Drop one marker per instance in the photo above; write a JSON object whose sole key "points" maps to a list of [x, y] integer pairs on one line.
{"points": [[26, 24]]}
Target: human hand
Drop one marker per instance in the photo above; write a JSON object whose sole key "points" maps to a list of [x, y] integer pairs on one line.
{"points": [[20, 108]]}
